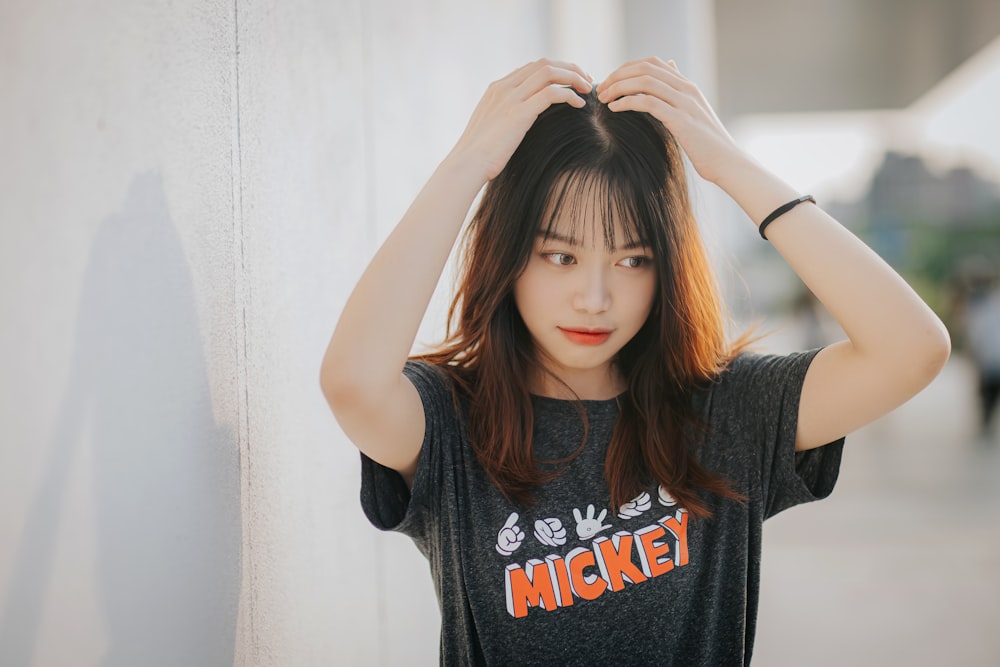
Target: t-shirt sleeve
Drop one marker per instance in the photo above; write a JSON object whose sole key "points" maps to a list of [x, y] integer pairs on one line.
{"points": [[767, 390], [385, 499]]}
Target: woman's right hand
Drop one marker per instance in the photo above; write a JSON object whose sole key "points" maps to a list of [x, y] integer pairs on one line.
{"points": [[510, 106]]}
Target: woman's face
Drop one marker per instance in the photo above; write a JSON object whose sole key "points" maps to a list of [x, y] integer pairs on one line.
{"points": [[582, 303]]}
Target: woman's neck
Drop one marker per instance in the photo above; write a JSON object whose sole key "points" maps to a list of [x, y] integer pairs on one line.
{"points": [[587, 385]]}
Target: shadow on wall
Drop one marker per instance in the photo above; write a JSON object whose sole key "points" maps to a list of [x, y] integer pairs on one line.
{"points": [[166, 478]]}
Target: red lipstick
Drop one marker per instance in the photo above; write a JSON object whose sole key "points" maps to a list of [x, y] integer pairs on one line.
{"points": [[586, 336]]}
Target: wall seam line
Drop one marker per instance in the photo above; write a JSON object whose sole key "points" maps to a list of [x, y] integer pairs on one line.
{"points": [[249, 649]]}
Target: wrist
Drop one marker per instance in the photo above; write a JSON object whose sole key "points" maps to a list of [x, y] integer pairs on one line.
{"points": [[735, 169], [465, 168], [757, 190]]}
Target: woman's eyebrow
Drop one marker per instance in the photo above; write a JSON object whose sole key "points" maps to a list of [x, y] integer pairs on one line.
{"points": [[556, 236], [576, 243]]}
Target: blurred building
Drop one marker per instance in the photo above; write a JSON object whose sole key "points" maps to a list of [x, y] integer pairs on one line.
{"points": [[841, 55], [924, 222], [906, 191]]}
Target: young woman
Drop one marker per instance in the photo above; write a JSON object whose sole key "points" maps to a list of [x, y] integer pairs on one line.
{"points": [[586, 462]]}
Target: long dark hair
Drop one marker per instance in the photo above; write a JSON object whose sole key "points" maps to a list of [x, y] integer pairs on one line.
{"points": [[630, 161]]}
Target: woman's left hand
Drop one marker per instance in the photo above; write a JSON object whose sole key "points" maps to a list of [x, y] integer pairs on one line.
{"points": [[659, 89]]}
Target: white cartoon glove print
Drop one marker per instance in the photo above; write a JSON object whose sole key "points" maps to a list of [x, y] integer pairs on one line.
{"points": [[550, 532], [635, 507], [510, 536], [666, 499], [587, 528]]}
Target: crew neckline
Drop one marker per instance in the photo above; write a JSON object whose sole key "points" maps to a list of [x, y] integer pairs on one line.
{"points": [[607, 407]]}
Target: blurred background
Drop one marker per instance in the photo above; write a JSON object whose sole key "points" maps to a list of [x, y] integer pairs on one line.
{"points": [[190, 190]]}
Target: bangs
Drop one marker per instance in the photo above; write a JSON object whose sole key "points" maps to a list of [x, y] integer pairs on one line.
{"points": [[581, 199]]}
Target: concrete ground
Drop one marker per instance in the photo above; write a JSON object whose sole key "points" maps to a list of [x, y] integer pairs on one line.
{"points": [[901, 565]]}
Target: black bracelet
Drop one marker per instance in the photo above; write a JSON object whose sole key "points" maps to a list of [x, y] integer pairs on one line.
{"points": [[781, 210]]}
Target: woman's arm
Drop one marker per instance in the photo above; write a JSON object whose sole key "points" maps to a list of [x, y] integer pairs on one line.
{"points": [[361, 374], [896, 345]]}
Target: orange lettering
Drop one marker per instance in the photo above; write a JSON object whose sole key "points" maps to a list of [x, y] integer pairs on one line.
{"points": [[614, 559], [560, 580], [586, 586], [679, 528], [654, 556], [528, 587]]}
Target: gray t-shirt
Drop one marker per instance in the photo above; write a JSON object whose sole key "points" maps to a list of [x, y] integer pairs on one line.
{"points": [[571, 580]]}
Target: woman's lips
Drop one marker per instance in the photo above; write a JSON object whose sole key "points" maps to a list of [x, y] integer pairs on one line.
{"points": [[586, 336]]}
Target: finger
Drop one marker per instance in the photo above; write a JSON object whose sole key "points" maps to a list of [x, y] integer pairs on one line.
{"points": [[646, 84], [521, 74], [619, 72], [611, 87], [554, 73], [650, 104], [652, 66], [511, 520], [562, 64], [545, 98]]}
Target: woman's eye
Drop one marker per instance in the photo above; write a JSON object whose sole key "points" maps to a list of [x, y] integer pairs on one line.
{"points": [[635, 262], [559, 258]]}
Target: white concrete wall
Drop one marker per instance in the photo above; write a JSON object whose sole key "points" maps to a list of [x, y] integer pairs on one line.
{"points": [[119, 475], [189, 191]]}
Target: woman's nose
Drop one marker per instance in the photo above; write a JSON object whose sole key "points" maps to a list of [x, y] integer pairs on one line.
{"points": [[592, 292]]}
